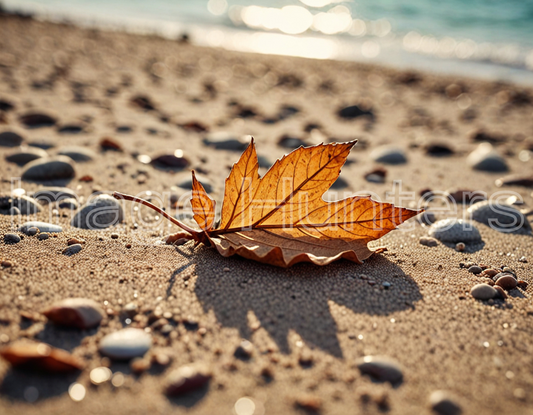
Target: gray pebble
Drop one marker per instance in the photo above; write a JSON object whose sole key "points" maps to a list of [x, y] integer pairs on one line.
{"points": [[426, 241], [474, 269], [485, 158], [388, 155], [224, 141], [43, 236], [25, 205], [72, 249], [426, 218], [10, 139], [59, 167], [11, 238], [26, 155], [442, 403], [244, 350], [32, 231], [77, 153], [186, 183], [70, 203], [499, 216], [454, 230], [53, 194], [483, 292], [381, 369], [100, 212], [43, 227], [126, 344]]}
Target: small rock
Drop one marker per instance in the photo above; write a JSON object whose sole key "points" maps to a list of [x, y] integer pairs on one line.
{"points": [[71, 129], [25, 205], [72, 249], [308, 402], [11, 238], [289, 141], [485, 158], [355, 111], [186, 183], [426, 218], [381, 369], [32, 231], [438, 150], [500, 216], [42, 226], [6, 264], [224, 141], [244, 350], [10, 139], [53, 194], [376, 175], [100, 212], [74, 241], [71, 204], [501, 292], [43, 236], [442, 403], [79, 154], [59, 167], [388, 155], [454, 230], [460, 247], [170, 161], [37, 120], [109, 144], [81, 313], [483, 292], [467, 197], [424, 240], [522, 284], [126, 344], [26, 155], [507, 282], [40, 356], [474, 269], [186, 379]]}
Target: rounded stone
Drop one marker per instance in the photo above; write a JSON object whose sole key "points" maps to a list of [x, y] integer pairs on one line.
{"points": [[10, 139], [442, 403], [53, 194], [81, 313], [42, 226], [507, 282], [77, 153], [454, 230], [59, 167], [483, 292], [222, 140], [72, 249], [388, 155], [381, 369], [186, 379], [26, 155], [101, 212], [70, 203], [11, 238], [126, 344], [499, 216], [474, 269], [25, 205], [485, 158]]}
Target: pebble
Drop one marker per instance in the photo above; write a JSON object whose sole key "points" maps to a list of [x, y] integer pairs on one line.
{"points": [[467, 197], [499, 216], [381, 369], [454, 230], [77, 153], [460, 247], [11, 238], [438, 150], [354, 111], [289, 141], [485, 158], [81, 313], [474, 269], [186, 183], [388, 155], [26, 155], [244, 350], [74, 241], [37, 120], [43, 227], [70, 203], [6, 264], [377, 175], [483, 292], [25, 205], [100, 212], [53, 194], [186, 379], [501, 292], [222, 140], [507, 282], [10, 139], [40, 356], [58, 167], [426, 218], [32, 231], [43, 236], [442, 403], [126, 344], [170, 161], [427, 241], [110, 144], [72, 249]]}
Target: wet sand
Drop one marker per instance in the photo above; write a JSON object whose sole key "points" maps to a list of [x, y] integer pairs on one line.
{"points": [[308, 324]]}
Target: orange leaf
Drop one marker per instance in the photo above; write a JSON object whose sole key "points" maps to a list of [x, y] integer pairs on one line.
{"points": [[281, 219]]}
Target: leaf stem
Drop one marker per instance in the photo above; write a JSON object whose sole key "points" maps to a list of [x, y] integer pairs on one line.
{"points": [[118, 195]]}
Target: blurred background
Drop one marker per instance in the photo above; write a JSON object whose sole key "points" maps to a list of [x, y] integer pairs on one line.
{"points": [[484, 38]]}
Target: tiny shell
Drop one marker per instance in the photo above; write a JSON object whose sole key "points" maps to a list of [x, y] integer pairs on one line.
{"points": [[185, 379], [40, 356], [80, 313]]}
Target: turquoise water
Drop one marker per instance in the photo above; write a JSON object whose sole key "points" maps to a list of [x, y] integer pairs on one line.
{"points": [[492, 39]]}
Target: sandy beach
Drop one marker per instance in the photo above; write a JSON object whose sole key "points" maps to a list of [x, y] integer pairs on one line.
{"points": [[129, 99]]}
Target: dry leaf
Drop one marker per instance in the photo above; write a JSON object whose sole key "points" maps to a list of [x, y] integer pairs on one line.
{"points": [[281, 219]]}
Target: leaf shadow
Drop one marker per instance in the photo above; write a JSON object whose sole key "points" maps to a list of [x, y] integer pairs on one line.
{"points": [[299, 298]]}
